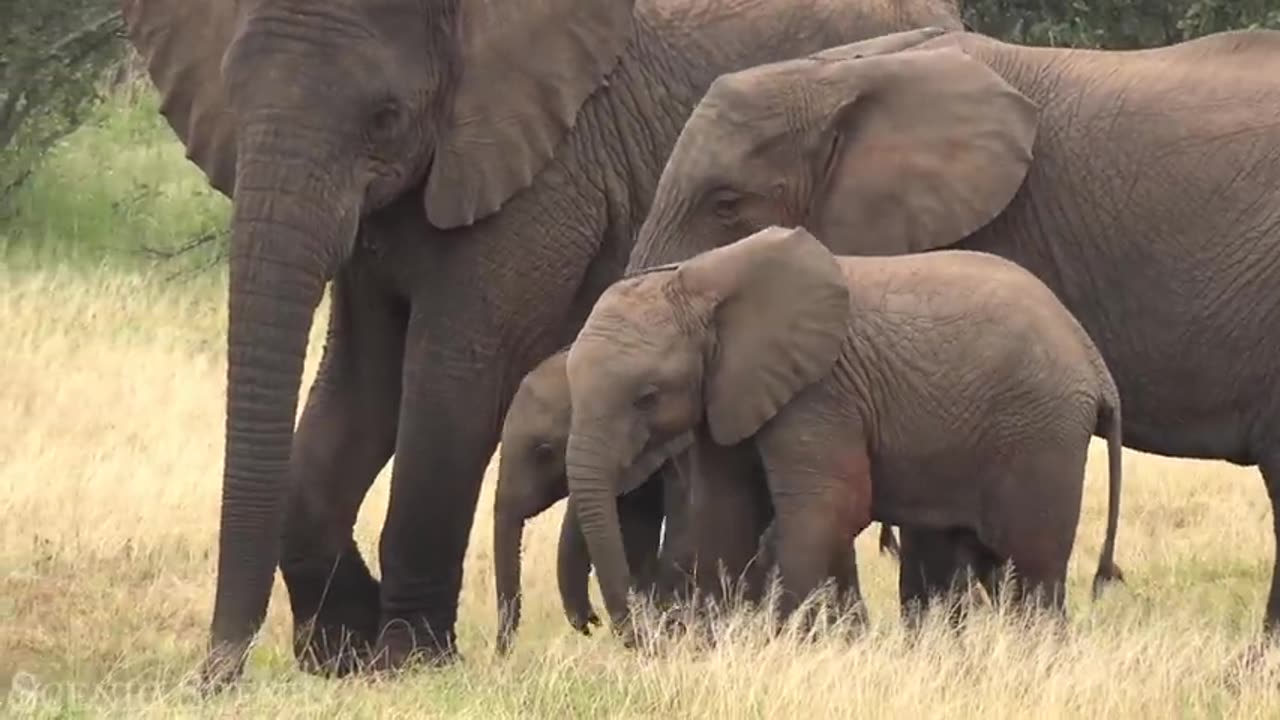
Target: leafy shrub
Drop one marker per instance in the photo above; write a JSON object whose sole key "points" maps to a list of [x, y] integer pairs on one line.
{"points": [[54, 57], [1115, 24]]}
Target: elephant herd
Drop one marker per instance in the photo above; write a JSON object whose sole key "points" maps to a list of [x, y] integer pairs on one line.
{"points": [[810, 264]]}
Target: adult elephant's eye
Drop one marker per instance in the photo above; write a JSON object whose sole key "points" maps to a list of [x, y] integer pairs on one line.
{"points": [[725, 205]]}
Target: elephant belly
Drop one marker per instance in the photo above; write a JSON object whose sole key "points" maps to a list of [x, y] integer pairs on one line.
{"points": [[936, 494]]}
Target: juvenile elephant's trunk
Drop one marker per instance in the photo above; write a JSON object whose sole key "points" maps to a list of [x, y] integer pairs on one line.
{"points": [[508, 530], [284, 248]]}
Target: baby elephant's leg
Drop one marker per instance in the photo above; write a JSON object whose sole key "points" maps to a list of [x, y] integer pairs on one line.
{"points": [[932, 571], [819, 477]]}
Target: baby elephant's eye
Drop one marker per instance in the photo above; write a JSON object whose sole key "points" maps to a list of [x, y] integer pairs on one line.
{"points": [[647, 400], [386, 117], [543, 453]]}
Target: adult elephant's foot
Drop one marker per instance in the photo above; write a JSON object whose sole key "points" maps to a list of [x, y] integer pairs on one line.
{"points": [[222, 667], [328, 647], [336, 612], [404, 644]]}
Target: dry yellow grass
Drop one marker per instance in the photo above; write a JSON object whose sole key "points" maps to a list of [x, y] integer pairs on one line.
{"points": [[111, 399]]}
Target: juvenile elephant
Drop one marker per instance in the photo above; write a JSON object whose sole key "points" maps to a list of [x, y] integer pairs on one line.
{"points": [[531, 478], [469, 174], [1140, 186], [942, 390]]}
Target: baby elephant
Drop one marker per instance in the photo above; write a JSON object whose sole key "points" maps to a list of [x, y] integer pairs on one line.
{"points": [[531, 478], [943, 390]]}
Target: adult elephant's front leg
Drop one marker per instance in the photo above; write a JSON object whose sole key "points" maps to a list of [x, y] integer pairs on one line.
{"points": [[490, 301], [449, 425], [345, 436]]}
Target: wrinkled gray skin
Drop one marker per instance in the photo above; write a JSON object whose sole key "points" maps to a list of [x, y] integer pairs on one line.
{"points": [[469, 175], [942, 390], [531, 478], [1139, 186]]}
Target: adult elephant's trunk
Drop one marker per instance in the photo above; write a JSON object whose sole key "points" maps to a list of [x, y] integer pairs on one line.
{"points": [[594, 467], [659, 240], [285, 246], [508, 530]]}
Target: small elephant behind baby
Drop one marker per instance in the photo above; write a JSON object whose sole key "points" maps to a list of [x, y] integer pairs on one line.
{"points": [[941, 391]]}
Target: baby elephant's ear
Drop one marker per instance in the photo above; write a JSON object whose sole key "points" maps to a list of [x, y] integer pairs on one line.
{"points": [[781, 310]]}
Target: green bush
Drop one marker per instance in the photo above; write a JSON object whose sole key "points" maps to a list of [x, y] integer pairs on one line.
{"points": [[118, 191], [1115, 24], [54, 58], [90, 173]]}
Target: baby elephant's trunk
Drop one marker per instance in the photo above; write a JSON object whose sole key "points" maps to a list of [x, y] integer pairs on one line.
{"points": [[1109, 426], [508, 528]]}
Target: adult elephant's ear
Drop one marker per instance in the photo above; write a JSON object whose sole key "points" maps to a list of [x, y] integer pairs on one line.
{"points": [[527, 68], [921, 149], [781, 308], [182, 42]]}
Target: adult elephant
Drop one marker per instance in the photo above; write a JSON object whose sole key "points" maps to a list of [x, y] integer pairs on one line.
{"points": [[468, 173], [1139, 185]]}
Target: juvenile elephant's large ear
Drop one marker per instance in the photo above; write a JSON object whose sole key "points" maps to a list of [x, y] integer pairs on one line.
{"points": [[781, 314], [924, 147], [182, 42], [527, 68]]}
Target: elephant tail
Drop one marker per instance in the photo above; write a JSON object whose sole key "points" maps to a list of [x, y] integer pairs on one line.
{"points": [[1109, 426]]}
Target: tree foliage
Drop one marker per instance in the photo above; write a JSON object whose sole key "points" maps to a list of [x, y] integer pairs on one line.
{"points": [[54, 57], [1115, 24]]}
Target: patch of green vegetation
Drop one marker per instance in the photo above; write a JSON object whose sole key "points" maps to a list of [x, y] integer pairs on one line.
{"points": [[113, 192]]}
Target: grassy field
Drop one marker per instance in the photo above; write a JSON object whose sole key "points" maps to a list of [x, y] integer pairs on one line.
{"points": [[111, 400]]}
